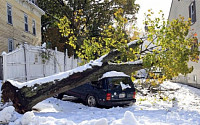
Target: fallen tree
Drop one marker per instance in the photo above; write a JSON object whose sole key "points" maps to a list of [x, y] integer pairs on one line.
{"points": [[25, 95], [169, 48]]}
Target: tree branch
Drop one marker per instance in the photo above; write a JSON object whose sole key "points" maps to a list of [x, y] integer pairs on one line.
{"points": [[115, 53]]}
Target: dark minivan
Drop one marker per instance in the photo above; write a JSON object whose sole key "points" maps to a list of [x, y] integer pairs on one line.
{"points": [[113, 89]]}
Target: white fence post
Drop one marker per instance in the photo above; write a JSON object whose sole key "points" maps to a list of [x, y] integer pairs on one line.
{"points": [[44, 69], [4, 54], [55, 59], [26, 60], [65, 60]]}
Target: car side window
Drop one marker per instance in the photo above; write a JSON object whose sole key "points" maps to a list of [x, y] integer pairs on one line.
{"points": [[103, 83], [94, 83], [99, 85]]}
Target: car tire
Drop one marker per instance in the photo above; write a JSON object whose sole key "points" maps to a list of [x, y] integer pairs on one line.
{"points": [[59, 96], [91, 101], [131, 104]]}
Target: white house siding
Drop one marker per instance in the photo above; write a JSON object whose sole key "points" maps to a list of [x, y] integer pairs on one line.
{"points": [[181, 7]]}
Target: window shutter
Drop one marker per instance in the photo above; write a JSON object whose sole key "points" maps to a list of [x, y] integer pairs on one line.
{"points": [[26, 22], [194, 14], [10, 45], [190, 11], [9, 13], [34, 27]]}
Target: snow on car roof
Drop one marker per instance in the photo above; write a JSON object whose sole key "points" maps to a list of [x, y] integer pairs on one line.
{"points": [[114, 74]]}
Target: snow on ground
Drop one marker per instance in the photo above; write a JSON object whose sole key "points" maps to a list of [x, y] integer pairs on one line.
{"points": [[169, 108]]}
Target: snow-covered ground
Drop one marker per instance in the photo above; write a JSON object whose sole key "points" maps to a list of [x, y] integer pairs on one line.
{"points": [[169, 108]]}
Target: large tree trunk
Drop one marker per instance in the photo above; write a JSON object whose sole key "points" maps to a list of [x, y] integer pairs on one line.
{"points": [[24, 98]]}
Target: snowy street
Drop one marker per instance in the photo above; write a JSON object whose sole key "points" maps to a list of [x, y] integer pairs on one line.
{"points": [[170, 108]]}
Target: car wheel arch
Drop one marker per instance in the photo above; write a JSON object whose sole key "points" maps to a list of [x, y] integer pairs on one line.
{"points": [[95, 97]]}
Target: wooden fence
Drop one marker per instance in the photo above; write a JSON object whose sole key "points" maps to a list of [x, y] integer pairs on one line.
{"points": [[30, 62]]}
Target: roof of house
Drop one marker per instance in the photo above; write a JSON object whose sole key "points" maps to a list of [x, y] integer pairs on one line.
{"points": [[40, 11]]}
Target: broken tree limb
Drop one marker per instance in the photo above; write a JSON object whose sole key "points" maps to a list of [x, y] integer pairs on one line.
{"points": [[115, 53]]}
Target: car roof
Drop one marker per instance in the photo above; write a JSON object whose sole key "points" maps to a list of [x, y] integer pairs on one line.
{"points": [[114, 74]]}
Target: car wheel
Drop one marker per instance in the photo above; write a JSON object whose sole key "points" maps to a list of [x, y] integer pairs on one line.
{"points": [[59, 96], [130, 104], [91, 101]]}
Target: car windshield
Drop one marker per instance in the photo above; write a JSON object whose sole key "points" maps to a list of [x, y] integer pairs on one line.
{"points": [[120, 82]]}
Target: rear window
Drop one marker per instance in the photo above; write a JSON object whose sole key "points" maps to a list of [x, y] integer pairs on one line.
{"points": [[120, 82]]}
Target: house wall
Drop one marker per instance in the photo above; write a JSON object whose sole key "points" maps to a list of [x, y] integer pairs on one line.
{"points": [[16, 31], [181, 7]]}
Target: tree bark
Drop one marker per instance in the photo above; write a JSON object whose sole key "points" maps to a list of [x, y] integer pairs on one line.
{"points": [[26, 97]]}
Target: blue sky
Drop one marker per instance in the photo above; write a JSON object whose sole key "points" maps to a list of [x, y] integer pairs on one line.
{"points": [[155, 5]]}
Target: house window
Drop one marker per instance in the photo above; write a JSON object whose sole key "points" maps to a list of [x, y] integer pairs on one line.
{"points": [[192, 12], [10, 45], [34, 28], [26, 22], [9, 13]]}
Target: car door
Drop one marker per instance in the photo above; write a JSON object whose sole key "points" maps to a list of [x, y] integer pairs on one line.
{"points": [[99, 89], [80, 91]]}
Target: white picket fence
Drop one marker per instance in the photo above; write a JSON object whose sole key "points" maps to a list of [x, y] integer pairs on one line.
{"points": [[26, 63]]}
